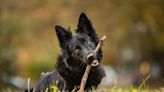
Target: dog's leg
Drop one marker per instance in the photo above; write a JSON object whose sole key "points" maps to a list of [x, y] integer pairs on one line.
{"points": [[48, 79]]}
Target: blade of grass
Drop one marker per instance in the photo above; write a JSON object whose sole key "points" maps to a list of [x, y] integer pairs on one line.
{"points": [[143, 82], [28, 85]]}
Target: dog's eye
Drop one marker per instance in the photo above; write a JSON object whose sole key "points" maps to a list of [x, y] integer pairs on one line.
{"points": [[77, 49], [82, 40]]}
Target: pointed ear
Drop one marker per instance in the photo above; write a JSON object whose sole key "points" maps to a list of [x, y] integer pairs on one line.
{"points": [[84, 25], [63, 35]]}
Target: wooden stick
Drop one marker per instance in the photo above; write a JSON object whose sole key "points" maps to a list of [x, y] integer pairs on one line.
{"points": [[87, 70]]}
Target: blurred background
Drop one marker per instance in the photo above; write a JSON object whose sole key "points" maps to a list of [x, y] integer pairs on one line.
{"points": [[133, 50]]}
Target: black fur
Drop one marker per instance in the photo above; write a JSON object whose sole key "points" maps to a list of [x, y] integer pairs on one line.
{"points": [[73, 60]]}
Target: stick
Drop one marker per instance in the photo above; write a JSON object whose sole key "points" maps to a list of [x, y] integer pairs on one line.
{"points": [[87, 70]]}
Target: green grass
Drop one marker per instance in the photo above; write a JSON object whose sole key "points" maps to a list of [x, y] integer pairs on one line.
{"points": [[141, 88], [115, 89]]}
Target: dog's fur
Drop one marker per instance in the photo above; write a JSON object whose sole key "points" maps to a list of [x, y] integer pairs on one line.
{"points": [[72, 61]]}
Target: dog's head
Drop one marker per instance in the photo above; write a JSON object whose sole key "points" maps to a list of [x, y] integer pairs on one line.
{"points": [[82, 45]]}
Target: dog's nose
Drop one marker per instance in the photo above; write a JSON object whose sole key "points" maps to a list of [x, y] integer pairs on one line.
{"points": [[91, 57]]}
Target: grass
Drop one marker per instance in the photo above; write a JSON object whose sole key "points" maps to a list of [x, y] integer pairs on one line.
{"points": [[115, 89], [141, 88]]}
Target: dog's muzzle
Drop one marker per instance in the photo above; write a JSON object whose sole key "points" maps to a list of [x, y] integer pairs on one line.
{"points": [[92, 59]]}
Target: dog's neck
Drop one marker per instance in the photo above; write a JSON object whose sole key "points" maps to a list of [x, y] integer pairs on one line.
{"points": [[70, 69]]}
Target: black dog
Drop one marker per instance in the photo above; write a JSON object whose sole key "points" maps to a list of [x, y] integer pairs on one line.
{"points": [[76, 52]]}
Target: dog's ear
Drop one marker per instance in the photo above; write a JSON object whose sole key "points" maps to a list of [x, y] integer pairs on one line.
{"points": [[63, 35], [84, 25]]}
